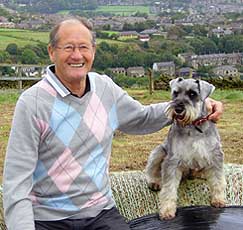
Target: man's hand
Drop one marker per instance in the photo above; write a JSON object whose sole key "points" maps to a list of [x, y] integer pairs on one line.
{"points": [[215, 109]]}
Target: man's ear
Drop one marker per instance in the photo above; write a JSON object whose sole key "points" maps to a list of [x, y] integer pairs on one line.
{"points": [[50, 50], [94, 51]]}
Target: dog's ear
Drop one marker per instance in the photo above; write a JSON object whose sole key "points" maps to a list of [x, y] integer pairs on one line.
{"points": [[205, 88], [175, 80]]}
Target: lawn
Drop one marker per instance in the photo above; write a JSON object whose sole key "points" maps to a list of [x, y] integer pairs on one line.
{"points": [[21, 37], [123, 10], [130, 152]]}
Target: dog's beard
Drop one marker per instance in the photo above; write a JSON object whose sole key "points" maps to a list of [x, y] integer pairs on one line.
{"points": [[189, 114]]}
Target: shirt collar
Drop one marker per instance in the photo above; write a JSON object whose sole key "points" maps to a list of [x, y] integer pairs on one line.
{"points": [[55, 82]]}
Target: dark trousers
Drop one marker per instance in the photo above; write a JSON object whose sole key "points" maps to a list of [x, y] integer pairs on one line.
{"points": [[106, 220]]}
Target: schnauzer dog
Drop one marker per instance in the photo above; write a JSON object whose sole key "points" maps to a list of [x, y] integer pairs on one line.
{"points": [[192, 147]]}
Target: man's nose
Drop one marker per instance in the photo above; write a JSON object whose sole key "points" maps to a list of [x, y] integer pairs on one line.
{"points": [[77, 53]]}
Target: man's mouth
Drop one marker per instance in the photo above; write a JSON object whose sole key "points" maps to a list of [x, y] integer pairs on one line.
{"points": [[77, 65]]}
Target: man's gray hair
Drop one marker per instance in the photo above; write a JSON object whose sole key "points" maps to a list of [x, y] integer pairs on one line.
{"points": [[53, 37]]}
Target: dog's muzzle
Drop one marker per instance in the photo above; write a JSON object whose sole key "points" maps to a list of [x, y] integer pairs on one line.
{"points": [[183, 114]]}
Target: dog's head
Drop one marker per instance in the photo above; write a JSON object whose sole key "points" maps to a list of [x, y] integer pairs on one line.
{"points": [[188, 96]]}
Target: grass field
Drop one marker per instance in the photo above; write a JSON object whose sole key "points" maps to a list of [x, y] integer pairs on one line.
{"points": [[117, 10], [123, 10], [130, 152], [21, 37]]}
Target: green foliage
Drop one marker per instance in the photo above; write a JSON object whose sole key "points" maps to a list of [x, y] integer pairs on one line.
{"points": [[139, 26], [4, 56], [203, 45], [8, 97], [29, 57], [12, 49], [225, 83], [6, 70], [231, 43], [129, 82], [4, 12]]}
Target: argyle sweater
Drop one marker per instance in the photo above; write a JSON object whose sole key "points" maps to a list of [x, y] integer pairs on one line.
{"points": [[57, 160]]}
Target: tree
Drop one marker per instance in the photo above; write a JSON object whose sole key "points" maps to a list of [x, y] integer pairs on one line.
{"points": [[12, 49], [203, 45], [4, 57], [29, 57]]}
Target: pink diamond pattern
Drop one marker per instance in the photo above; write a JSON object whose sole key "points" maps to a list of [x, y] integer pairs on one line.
{"points": [[96, 117], [43, 126], [64, 171], [44, 85], [33, 198], [97, 198]]}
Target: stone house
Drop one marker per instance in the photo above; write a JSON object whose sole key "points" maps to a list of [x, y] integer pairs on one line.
{"points": [[167, 68], [226, 71], [128, 35], [215, 59], [136, 71], [118, 70]]}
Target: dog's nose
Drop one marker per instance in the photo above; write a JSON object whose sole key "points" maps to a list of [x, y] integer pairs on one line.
{"points": [[179, 108]]}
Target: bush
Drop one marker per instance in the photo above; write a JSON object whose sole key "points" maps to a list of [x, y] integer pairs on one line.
{"points": [[129, 82]]}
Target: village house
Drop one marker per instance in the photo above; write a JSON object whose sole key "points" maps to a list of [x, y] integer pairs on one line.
{"points": [[128, 35], [167, 68], [185, 72], [215, 60], [220, 32], [136, 71], [226, 71], [144, 37], [118, 70], [4, 23]]}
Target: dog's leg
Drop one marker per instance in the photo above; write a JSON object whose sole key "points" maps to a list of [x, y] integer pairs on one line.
{"points": [[171, 177], [216, 180], [153, 168]]}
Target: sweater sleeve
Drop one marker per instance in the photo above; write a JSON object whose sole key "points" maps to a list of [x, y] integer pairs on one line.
{"points": [[20, 161], [135, 118]]}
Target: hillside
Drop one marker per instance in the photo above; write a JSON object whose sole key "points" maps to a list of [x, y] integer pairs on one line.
{"points": [[55, 6]]}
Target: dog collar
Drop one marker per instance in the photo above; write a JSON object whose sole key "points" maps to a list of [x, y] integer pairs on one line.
{"points": [[198, 122]]}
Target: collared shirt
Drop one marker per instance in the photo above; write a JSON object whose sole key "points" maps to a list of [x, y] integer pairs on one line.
{"points": [[57, 84]]}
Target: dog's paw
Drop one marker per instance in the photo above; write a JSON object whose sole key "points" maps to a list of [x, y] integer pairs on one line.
{"points": [[167, 212], [218, 203], [154, 186]]}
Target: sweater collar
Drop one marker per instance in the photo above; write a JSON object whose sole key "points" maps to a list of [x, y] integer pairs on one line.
{"points": [[57, 84]]}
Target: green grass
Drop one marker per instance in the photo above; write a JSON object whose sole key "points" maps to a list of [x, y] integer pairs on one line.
{"points": [[123, 10], [232, 95], [8, 96], [21, 37]]}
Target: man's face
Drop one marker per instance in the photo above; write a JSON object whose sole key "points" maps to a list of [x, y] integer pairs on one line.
{"points": [[74, 53]]}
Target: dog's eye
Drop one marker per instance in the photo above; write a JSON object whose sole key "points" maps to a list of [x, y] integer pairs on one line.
{"points": [[175, 94], [192, 94]]}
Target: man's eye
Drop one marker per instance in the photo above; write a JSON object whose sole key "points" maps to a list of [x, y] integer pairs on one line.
{"points": [[68, 48], [83, 47]]}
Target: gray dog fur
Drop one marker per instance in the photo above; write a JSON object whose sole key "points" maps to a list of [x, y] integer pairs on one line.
{"points": [[192, 147]]}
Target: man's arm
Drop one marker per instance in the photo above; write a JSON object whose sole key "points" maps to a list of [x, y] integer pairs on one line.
{"points": [[21, 158]]}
